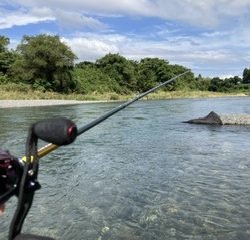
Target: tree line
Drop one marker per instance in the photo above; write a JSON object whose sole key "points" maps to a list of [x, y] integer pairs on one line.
{"points": [[45, 63]]}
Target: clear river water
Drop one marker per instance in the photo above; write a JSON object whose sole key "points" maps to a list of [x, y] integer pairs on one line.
{"points": [[143, 174]]}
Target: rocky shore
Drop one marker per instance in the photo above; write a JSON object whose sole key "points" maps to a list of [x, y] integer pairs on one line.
{"points": [[235, 119], [32, 103]]}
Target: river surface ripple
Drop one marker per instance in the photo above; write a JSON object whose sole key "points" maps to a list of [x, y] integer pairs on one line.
{"points": [[142, 174]]}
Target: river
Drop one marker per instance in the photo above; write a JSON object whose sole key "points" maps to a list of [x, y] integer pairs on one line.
{"points": [[140, 175]]}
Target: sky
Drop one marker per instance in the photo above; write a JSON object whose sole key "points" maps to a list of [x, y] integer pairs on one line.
{"points": [[210, 37]]}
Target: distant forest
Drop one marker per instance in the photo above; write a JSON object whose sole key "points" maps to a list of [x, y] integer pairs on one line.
{"points": [[45, 63]]}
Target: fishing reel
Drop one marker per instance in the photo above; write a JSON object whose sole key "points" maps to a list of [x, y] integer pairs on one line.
{"points": [[19, 176], [11, 170]]}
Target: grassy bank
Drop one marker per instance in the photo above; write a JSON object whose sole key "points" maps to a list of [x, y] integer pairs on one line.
{"points": [[191, 94], [16, 95], [25, 92]]}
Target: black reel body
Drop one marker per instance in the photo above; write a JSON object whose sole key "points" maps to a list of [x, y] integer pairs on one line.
{"points": [[11, 170]]}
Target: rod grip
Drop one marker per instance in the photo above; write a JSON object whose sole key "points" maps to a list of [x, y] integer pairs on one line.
{"points": [[59, 131]]}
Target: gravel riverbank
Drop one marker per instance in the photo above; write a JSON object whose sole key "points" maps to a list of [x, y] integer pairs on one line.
{"points": [[32, 103]]}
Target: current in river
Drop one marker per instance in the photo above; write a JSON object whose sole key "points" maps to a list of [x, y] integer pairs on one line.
{"points": [[141, 175]]}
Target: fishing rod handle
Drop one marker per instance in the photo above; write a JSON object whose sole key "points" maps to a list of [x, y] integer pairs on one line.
{"points": [[59, 131]]}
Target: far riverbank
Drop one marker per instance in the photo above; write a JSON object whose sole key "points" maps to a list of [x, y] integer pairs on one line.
{"points": [[36, 98], [160, 94]]}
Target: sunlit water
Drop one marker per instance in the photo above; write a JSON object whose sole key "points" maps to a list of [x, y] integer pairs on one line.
{"points": [[142, 174]]}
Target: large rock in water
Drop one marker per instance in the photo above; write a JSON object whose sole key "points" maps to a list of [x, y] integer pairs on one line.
{"points": [[216, 119]]}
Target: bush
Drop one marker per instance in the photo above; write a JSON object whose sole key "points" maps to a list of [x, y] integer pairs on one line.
{"points": [[14, 87], [91, 79], [3, 79]]}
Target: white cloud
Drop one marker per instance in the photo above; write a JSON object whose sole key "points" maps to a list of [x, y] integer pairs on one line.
{"points": [[203, 57], [219, 45], [89, 47], [207, 13], [78, 21], [73, 20], [13, 43], [19, 18], [104, 6], [41, 12]]}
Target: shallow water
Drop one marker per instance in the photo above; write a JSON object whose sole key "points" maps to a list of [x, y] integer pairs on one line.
{"points": [[142, 174]]}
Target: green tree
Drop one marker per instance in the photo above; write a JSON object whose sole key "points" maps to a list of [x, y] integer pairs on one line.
{"points": [[45, 62], [185, 82], [7, 57], [246, 75], [90, 79], [225, 85], [120, 69], [150, 72], [202, 83], [215, 85], [84, 64]]}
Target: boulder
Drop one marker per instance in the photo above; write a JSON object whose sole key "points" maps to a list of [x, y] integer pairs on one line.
{"points": [[211, 118], [216, 119]]}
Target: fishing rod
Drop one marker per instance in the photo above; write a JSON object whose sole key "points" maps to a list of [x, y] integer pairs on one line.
{"points": [[51, 146]]}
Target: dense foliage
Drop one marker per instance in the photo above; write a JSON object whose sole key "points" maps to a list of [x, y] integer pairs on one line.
{"points": [[246, 76], [44, 62], [6, 58]]}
